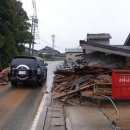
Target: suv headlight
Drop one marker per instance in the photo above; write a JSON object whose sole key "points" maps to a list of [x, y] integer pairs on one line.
{"points": [[38, 71]]}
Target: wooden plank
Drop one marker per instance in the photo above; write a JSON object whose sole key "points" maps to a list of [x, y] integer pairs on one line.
{"points": [[64, 79], [107, 93], [104, 84], [74, 91]]}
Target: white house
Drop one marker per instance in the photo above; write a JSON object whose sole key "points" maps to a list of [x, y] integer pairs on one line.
{"points": [[74, 54]]}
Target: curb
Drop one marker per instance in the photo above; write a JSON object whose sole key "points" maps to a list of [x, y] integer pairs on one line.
{"points": [[40, 117], [68, 120]]}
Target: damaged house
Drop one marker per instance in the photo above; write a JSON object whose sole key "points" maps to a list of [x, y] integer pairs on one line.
{"points": [[97, 50]]}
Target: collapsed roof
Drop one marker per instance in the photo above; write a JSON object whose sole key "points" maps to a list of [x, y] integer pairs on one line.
{"points": [[111, 49]]}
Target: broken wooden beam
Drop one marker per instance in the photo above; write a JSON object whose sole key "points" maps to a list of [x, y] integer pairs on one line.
{"points": [[74, 91]]}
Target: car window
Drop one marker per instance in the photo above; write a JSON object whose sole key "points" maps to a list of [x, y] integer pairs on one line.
{"points": [[26, 61]]}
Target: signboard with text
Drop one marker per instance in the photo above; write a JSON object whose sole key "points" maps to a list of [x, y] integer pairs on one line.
{"points": [[121, 84]]}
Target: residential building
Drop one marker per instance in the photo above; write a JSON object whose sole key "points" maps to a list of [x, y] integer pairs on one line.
{"points": [[101, 38], [73, 54], [49, 51], [106, 54]]}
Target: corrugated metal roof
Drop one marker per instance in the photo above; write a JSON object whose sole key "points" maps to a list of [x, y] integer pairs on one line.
{"points": [[98, 36], [121, 50], [122, 46]]}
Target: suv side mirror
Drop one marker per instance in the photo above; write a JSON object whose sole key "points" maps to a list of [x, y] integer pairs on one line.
{"points": [[46, 64]]}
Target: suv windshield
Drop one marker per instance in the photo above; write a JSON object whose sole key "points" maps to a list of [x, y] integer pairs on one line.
{"points": [[26, 61]]}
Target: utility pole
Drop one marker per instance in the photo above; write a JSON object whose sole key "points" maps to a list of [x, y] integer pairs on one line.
{"points": [[30, 44], [53, 43], [34, 27], [53, 40]]}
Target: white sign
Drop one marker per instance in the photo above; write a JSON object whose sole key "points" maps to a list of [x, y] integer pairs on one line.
{"points": [[22, 72]]}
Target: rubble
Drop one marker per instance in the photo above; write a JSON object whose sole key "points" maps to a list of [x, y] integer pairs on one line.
{"points": [[4, 76], [80, 81]]}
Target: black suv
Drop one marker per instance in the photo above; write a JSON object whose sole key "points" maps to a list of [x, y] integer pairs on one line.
{"points": [[27, 69]]}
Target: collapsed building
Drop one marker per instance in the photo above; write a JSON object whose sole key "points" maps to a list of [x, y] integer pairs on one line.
{"points": [[90, 81], [97, 50], [92, 76]]}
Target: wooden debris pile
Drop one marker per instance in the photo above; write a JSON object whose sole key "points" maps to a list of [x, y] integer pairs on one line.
{"points": [[4, 76], [84, 82], [79, 69]]}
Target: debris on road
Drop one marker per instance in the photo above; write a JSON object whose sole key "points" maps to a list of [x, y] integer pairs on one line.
{"points": [[4, 76]]}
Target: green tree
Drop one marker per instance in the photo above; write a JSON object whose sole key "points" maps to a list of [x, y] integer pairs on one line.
{"points": [[14, 30]]}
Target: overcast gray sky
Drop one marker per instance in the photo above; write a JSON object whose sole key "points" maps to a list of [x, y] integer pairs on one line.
{"points": [[71, 20]]}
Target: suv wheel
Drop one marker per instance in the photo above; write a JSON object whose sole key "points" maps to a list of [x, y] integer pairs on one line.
{"points": [[45, 77], [40, 83], [13, 83]]}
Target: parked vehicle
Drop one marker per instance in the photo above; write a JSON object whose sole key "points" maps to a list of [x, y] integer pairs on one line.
{"points": [[27, 69]]}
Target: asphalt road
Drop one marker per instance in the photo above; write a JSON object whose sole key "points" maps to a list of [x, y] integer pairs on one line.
{"points": [[18, 105]]}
